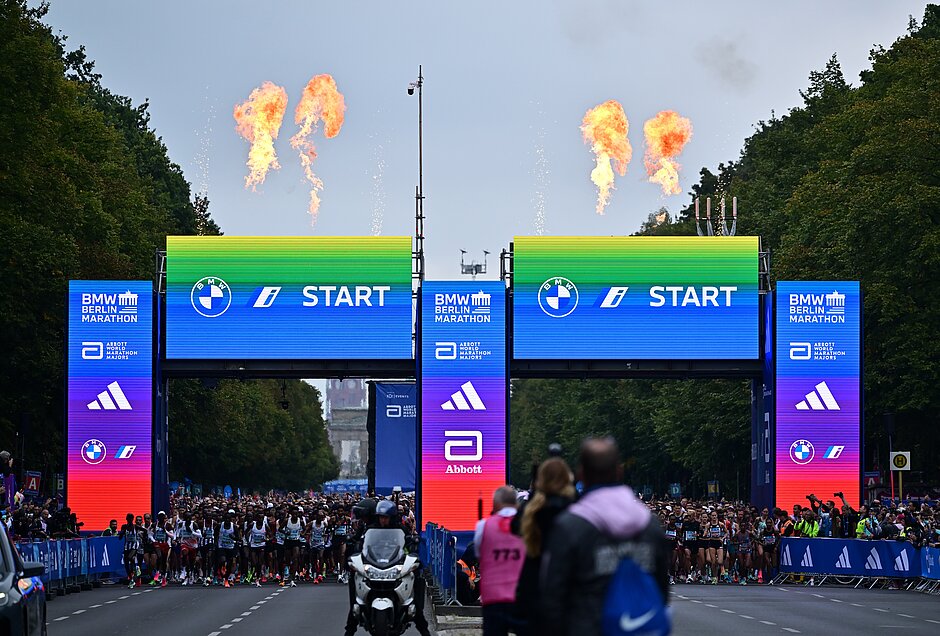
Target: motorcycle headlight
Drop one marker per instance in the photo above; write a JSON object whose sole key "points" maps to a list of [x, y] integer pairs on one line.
{"points": [[383, 575]]}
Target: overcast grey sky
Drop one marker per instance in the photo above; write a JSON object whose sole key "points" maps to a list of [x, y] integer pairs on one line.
{"points": [[507, 84]]}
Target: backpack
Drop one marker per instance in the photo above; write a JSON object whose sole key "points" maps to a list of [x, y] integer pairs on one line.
{"points": [[634, 604]]}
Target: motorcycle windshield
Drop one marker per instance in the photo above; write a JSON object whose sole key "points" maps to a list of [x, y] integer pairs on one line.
{"points": [[383, 547]]}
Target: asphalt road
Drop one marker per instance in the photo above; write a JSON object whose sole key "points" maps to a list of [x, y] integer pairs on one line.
{"points": [[309, 609], [198, 611]]}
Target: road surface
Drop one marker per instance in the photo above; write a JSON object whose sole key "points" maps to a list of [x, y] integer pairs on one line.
{"points": [[321, 610]]}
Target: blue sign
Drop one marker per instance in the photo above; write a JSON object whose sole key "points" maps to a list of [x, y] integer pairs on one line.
{"points": [[463, 399], [818, 390], [851, 557], [396, 422], [110, 399]]}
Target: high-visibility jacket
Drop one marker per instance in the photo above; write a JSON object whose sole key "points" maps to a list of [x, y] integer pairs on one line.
{"points": [[807, 528], [470, 571]]}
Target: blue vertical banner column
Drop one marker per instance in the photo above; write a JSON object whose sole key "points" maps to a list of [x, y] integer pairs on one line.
{"points": [[463, 395], [818, 391], [110, 400]]}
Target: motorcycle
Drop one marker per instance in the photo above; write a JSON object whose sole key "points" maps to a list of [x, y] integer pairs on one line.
{"points": [[384, 581]]}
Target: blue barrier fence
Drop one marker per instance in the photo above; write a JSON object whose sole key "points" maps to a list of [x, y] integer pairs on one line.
{"points": [[76, 560], [440, 554], [858, 558]]}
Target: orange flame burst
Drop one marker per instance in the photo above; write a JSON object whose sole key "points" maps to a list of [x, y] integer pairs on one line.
{"points": [[605, 128], [666, 135], [258, 119], [321, 101]]}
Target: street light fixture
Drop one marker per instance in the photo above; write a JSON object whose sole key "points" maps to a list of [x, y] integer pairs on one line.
{"points": [[419, 190]]}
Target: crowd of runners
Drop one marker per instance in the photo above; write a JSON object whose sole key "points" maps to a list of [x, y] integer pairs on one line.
{"points": [[278, 540], [737, 543]]}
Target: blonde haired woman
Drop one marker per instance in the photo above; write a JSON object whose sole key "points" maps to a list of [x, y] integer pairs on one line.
{"points": [[553, 492]]}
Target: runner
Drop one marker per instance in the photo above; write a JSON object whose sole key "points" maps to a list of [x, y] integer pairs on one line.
{"points": [[228, 548], [131, 535]]}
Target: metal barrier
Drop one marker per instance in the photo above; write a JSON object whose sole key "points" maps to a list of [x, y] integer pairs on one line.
{"points": [[860, 561], [441, 555], [73, 564]]}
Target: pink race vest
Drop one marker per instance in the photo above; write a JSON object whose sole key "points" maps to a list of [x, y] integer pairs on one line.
{"points": [[501, 556]]}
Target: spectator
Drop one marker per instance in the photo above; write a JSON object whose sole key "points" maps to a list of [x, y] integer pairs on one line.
{"points": [[584, 548], [501, 555], [111, 530], [554, 490], [8, 485]]}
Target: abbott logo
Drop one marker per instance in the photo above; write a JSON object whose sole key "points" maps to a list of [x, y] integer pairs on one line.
{"points": [[801, 351], [393, 410], [445, 350], [472, 440], [92, 351]]}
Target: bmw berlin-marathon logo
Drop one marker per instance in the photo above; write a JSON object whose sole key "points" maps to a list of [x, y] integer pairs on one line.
{"points": [[211, 296], [93, 451], [558, 297]]}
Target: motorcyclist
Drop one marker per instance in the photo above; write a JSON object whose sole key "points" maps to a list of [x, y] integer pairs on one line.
{"points": [[385, 517]]}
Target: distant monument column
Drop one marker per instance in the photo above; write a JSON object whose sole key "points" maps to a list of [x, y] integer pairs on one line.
{"points": [[347, 408]]}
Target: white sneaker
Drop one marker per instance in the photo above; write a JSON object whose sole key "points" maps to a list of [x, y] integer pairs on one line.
{"points": [[293, 583]]}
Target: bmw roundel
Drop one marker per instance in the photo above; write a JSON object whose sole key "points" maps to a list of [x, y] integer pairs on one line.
{"points": [[801, 452], [558, 297], [211, 296], [94, 451]]}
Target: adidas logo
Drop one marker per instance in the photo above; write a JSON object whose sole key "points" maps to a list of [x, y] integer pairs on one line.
{"points": [[105, 561], [467, 399], [874, 561], [819, 400], [844, 562], [807, 561], [785, 557], [105, 402], [901, 564]]}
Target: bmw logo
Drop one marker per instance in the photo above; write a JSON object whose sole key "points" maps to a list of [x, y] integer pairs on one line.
{"points": [[93, 451], [801, 452], [211, 296], [558, 297]]}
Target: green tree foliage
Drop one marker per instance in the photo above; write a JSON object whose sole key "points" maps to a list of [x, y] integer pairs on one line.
{"points": [[844, 187], [88, 191]]}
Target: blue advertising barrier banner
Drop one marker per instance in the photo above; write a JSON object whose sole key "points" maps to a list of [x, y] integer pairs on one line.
{"points": [[930, 563], [75, 557], [396, 410], [851, 557]]}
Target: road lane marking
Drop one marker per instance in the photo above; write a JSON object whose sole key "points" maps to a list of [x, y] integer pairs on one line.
{"points": [[94, 606], [878, 609], [694, 601], [214, 633], [255, 607], [856, 605], [930, 620], [746, 616], [62, 618], [262, 602], [237, 620], [768, 623], [226, 626], [710, 605], [109, 602], [78, 612], [246, 613], [791, 630], [906, 615], [835, 600], [136, 593], [728, 611], [818, 595], [121, 598]]}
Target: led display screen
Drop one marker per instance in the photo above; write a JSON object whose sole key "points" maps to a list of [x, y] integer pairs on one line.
{"points": [[278, 298], [635, 298], [818, 355], [110, 371], [463, 400]]}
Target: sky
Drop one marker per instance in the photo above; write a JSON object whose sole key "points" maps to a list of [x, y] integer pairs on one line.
{"points": [[506, 86]]}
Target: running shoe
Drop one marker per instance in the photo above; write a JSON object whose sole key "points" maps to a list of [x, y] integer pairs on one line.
{"points": [[257, 583], [137, 573], [163, 583], [226, 584], [293, 583]]}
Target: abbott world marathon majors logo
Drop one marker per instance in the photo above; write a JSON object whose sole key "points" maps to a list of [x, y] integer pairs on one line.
{"points": [[109, 307], [211, 296], [818, 308], [462, 308]]}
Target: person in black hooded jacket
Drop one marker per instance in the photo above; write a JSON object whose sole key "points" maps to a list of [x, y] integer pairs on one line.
{"points": [[583, 549]]}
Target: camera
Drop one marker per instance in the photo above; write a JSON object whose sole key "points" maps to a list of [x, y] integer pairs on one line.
{"points": [[837, 494]]}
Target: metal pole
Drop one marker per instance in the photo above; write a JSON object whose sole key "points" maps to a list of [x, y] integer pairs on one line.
{"points": [[419, 195]]}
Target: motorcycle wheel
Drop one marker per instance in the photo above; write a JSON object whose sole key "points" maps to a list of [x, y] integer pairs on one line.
{"points": [[382, 624]]}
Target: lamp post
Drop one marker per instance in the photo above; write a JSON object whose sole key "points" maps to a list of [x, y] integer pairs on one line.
{"points": [[419, 190]]}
